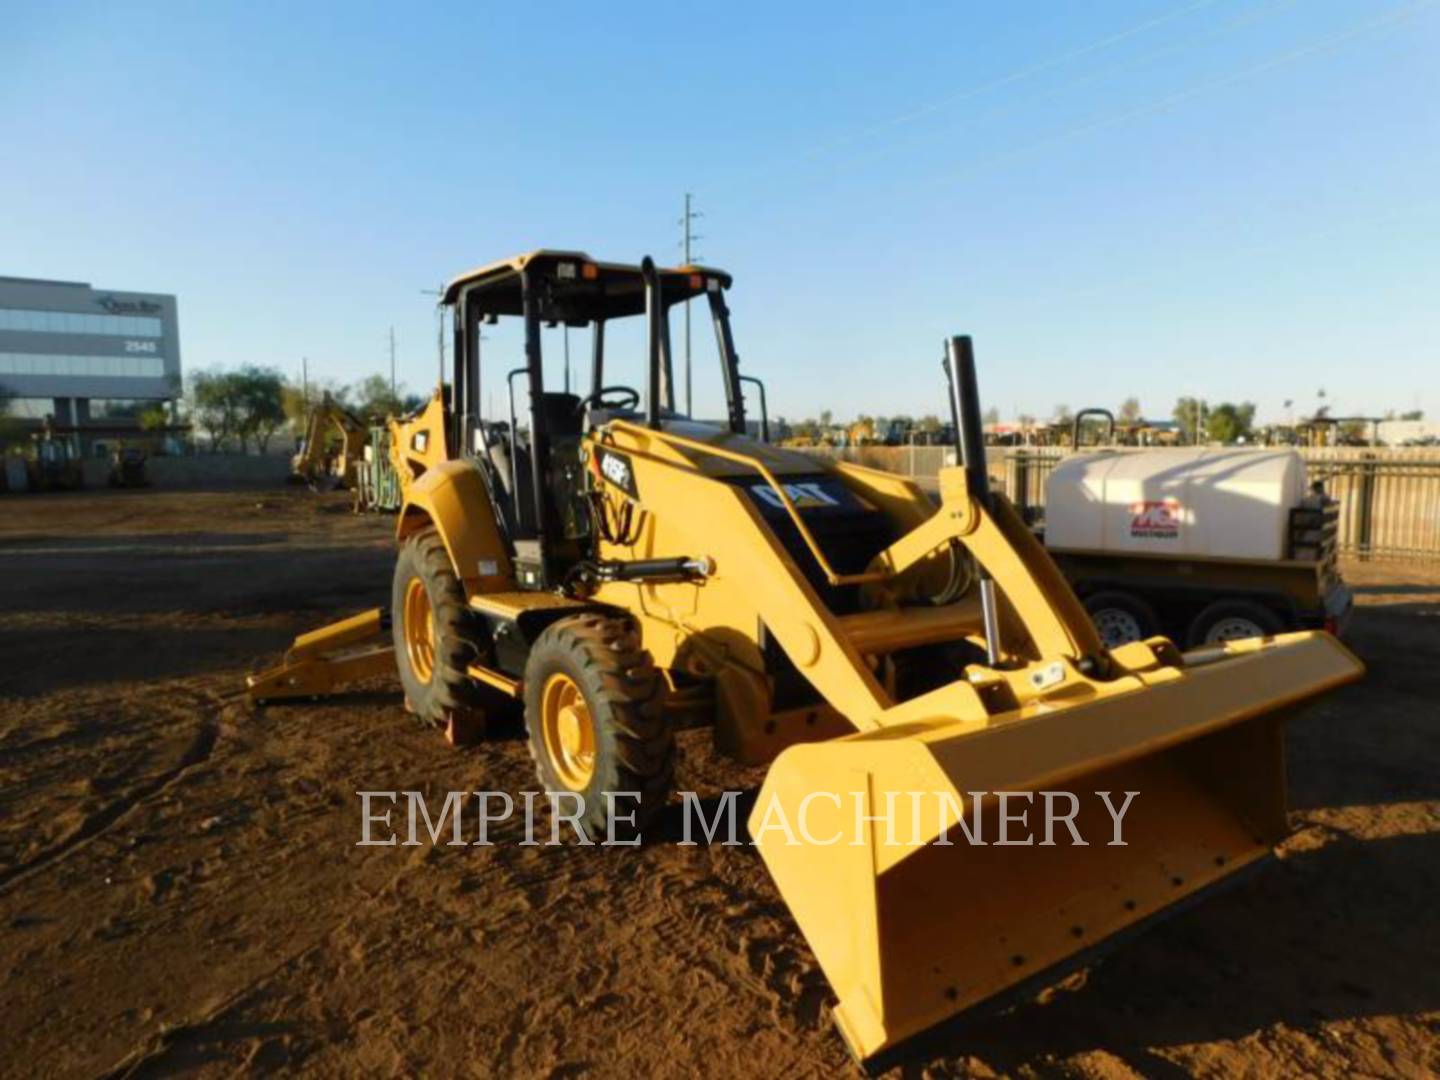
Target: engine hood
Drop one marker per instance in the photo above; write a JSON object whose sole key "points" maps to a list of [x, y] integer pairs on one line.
{"points": [[633, 435]]}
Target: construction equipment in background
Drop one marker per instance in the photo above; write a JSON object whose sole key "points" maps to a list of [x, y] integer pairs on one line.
{"points": [[805, 441], [398, 452], [331, 447], [622, 570], [1105, 427], [128, 467], [1321, 431], [1112, 432], [14, 472], [377, 484], [53, 463], [863, 433]]}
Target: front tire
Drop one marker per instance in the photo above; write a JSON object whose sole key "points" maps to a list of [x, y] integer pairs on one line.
{"points": [[592, 710], [436, 639]]}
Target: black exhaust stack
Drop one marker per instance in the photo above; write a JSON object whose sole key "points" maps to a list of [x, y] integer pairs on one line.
{"points": [[959, 367], [654, 314], [965, 412]]}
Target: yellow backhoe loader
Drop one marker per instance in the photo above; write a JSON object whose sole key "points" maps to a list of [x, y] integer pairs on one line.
{"points": [[331, 448], [614, 564]]}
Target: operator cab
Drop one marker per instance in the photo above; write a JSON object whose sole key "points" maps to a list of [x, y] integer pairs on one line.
{"points": [[532, 463]]}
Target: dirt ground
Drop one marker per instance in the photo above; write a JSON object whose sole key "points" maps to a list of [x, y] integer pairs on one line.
{"points": [[180, 889]]}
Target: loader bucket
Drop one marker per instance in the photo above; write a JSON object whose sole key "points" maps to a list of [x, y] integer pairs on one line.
{"points": [[912, 930]]}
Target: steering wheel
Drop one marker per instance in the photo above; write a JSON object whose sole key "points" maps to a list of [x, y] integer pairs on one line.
{"points": [[597, 399]]}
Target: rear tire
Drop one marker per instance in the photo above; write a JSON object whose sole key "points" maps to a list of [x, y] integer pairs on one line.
{"points": [[1233, 620], [592, 710], [436, 639], [1121, 617]]}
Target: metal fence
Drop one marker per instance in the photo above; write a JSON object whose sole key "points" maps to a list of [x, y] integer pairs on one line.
{"points": [[1389, 496], [1389, 499]]}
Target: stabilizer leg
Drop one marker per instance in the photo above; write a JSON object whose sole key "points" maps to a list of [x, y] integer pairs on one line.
{"points": [[321, 661]]}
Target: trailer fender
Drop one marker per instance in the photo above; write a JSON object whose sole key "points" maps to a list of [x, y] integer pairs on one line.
{"points": [[452, 498]]}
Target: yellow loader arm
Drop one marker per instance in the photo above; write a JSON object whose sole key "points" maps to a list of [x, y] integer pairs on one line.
{"points": [[866, 835]]}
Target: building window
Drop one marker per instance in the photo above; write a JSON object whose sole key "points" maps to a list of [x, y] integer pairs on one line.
{"points": [[151, 367], [78, 322], [120, 408], [30, 408]]}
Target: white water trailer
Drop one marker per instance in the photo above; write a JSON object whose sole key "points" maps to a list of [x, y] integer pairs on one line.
{"points": [[1201, 544]]}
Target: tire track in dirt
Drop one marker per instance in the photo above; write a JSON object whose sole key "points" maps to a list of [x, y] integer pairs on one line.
{"points": [[149, 1058], [98, 822]]}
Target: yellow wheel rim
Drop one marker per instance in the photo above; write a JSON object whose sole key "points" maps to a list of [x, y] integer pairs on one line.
{"points": [[567, 730], [419, 626]]}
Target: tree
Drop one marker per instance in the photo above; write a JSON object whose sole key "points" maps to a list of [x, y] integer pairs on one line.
{"points": [[297, 404], [213, 407], [1229, 423], [1129, 411], [992, 416], [1062, 414], [1413, 414], [261, 395], [153, 418], [929, 424], [373, 397], [1187, 414], [239, 406]]}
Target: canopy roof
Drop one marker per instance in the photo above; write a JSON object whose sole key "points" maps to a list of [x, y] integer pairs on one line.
{"points": [[575, 287]]}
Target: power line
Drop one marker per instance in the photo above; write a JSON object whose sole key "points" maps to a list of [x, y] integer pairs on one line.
{"points": [[1314, 47], [1017, 75], [1243, 21]]}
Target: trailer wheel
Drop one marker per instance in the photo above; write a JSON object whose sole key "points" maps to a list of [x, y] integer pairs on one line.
{"points": [[1121, 617], [592, 709], [436, 639], [1232, 620]]}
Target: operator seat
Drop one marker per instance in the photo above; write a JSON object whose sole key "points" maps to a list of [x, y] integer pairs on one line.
{"points": [[517, 507]]}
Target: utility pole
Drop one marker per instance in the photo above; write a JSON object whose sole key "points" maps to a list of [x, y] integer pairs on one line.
{"points": [[392, 363], [565, 334], [439, 329], [688, 237], [305, 380]]}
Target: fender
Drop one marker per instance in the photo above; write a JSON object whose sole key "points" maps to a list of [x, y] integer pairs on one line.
{"points": [[452, 497]]}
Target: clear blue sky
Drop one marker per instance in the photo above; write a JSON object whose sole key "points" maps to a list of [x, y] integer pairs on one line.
{"points": [[1233, 198]]}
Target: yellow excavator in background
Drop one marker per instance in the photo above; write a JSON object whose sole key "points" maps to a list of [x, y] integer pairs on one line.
{"points": [[862, 433], [331, 447], [918, 676]]}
